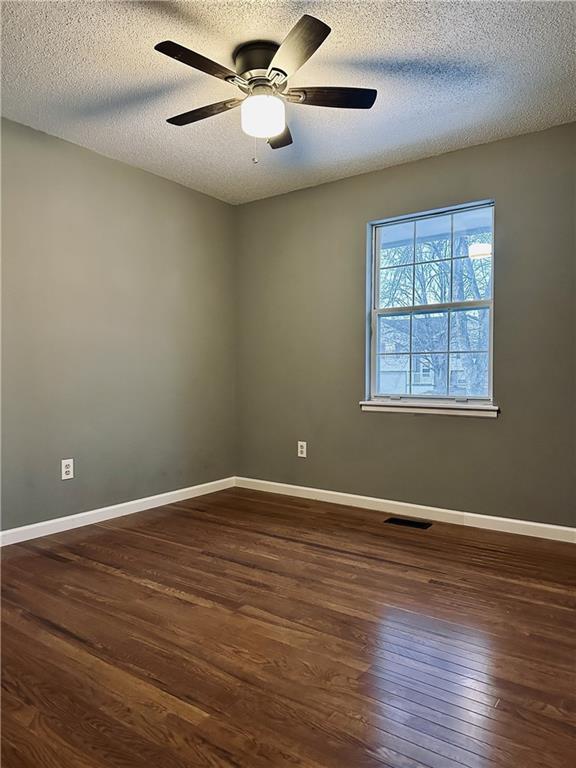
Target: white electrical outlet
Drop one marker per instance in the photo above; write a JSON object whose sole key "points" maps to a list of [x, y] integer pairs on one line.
{"points": [[67, 469], [302, 449]]}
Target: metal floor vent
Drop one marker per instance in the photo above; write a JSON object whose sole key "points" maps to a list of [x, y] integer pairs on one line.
{"points": [[407, 522]]}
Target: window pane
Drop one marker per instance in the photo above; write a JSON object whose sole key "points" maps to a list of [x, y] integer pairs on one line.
{"points": [[395, 244], [394, 333], [392, 375], [469, 330], [469, 374], [423, 350], [433, 238], [432, 283], [429, 374], [472, 279], [473, 233], [396, 287], [430, 332]]}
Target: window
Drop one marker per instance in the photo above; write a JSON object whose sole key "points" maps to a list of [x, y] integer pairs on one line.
{"points": [[430, 313]]}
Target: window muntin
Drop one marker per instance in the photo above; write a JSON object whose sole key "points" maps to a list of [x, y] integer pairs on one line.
{"points": [[431, 305]]}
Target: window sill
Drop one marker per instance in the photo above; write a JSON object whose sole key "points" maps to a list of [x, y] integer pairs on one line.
{"points": [[483, 410]]}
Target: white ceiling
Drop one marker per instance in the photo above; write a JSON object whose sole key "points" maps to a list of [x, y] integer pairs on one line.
{"points": [[448, 74]]}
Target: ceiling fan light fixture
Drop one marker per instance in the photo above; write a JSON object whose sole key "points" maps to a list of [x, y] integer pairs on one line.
{"points": [[263, 70], [263, 116]]}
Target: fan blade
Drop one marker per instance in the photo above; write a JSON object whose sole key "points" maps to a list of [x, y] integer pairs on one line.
{"points": [[193, 59], [283, 139], [203, 112], [349, 98], [305, 37]]}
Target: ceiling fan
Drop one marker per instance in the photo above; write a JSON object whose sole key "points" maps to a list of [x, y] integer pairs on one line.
{"points": [[262, 72]]}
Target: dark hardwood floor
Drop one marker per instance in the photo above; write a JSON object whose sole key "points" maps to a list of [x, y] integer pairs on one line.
{"points": [[248, 629]]}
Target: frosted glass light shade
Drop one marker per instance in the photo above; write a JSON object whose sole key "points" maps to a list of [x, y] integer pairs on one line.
{"points": [[262, 116], [479, 250]]}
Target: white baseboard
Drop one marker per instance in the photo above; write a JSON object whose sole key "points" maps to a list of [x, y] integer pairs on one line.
{"points": [[505, 524], [45, 528]]}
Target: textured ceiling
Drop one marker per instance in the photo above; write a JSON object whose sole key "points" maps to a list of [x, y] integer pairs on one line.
{"points": [[448, 74]]}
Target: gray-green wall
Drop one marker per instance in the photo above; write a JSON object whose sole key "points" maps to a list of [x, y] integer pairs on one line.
{"points": [[118, 331], [164, 339], [301, 337]]}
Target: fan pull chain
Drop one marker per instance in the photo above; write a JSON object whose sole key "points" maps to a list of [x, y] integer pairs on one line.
{"points": [[255, 155]]}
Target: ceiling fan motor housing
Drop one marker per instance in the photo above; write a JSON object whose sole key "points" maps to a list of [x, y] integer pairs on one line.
{"points": [[253, 59]]}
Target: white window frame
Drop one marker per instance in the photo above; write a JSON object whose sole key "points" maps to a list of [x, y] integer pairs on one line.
{"points": [[443, 404]]}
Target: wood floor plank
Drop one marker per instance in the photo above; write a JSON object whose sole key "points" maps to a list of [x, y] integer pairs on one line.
{"points": [[260, 631]]}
